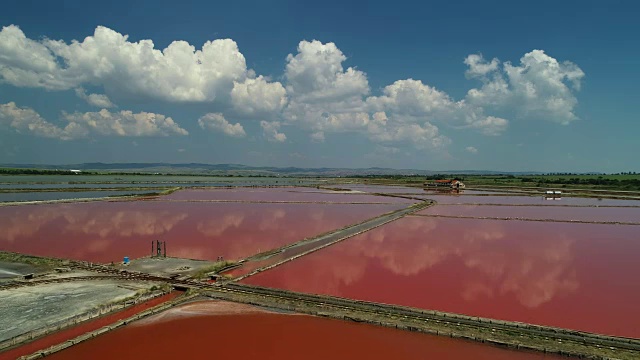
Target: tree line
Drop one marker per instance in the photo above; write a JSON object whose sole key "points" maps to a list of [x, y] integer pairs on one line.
{"points": [[631, 183], [39, 172]]}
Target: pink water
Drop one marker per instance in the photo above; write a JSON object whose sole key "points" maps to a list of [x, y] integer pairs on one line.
{"points": [[579, 276], [382, 188], [108, 231], [620, 214], [281, 194], [407, 189]]}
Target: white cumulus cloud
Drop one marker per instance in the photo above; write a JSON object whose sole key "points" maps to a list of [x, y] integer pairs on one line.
{"points": [[79, 125], [479, 67], [97, 100], [180, 72], [412, 101], [411, 97], [270, 130], [217, 122], [324, 97], [488, 125], [258, 96], [471, 149], [316, 74], [28, 121], [539, 88], [28, 63], [420, 135], [413, 111], [125, 123], [319, 92]]}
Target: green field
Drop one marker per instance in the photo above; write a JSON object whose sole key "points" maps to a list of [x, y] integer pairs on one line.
{"points": [[628, 182], [618, 182]]}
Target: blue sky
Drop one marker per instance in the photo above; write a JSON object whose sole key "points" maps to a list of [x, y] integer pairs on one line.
{"points": [[496, 85]]}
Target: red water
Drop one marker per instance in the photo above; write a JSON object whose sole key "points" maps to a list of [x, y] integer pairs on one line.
{"points": [[287, 253], [108, 231], [281, 194], [465, 198], [263, 335], [579, 276], [92, 325], [621, 214]]}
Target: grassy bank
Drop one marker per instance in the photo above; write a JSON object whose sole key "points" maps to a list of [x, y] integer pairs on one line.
{"points": [[39, 262], [619, 182], [215, 268]]}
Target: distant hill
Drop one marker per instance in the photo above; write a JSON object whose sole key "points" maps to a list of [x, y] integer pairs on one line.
{"points": [[238, 169]]}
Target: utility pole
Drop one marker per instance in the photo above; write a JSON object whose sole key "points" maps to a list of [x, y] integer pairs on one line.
{"points": [[158, 248]]}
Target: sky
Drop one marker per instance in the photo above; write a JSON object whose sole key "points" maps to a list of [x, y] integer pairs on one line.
{"points": [[435, 85]]}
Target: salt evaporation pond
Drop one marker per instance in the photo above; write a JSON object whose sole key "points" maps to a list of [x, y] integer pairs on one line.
{"points": [[381, 188], [578, 276], [413, 190], [108, 231], [605, 214], [60, 195], [187, 180], [83, 328], [233, 331], [281, 194], [526, 200], [64, 186]]}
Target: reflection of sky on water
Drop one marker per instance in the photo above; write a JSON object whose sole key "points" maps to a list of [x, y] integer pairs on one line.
{"points": [[621, 214], [281, 194], [39, 196], [556, 274], [108, 231]]}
